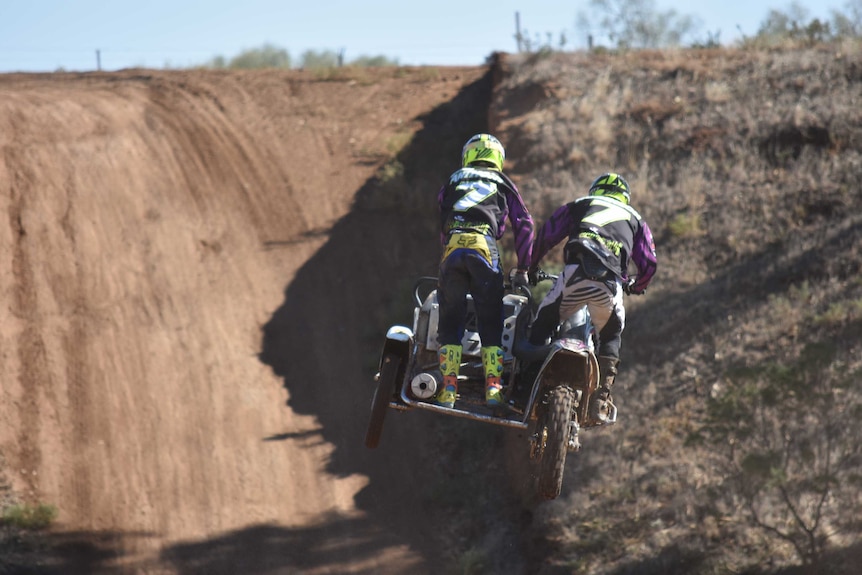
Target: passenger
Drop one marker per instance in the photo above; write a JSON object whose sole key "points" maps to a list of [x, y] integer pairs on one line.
{"points": [[474, 205]]}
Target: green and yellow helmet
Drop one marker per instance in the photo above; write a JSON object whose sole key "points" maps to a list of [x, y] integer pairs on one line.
{"points": [[483, 148], [613, 185]]}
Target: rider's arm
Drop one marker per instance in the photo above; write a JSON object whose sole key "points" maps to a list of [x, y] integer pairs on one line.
{"points": [[440, 197], [522, 228], [643, 255], [551, 233]]}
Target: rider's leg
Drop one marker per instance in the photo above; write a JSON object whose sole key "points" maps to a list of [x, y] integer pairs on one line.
{"points": [[453, 283], [487, 288], [492, 362], [547, 318], [610, 337], [607, 373], [571, 292], [450, 364], [452, 287]]}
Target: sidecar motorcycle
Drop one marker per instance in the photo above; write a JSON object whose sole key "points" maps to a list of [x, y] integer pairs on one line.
{"points": [[547, 388]]}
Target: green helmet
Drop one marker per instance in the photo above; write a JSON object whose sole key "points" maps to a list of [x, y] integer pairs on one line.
{"points": [[483, 148], [613, 185]]}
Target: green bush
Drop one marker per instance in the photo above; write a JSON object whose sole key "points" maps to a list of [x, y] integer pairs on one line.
{"points": [[317, 60], [31, 517], [685, 226]]}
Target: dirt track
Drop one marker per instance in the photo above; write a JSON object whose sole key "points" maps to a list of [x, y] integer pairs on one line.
{"points": [[186, 300]]}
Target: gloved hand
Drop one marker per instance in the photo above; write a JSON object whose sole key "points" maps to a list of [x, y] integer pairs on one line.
{"points": [[629, 287], [520, 279]]}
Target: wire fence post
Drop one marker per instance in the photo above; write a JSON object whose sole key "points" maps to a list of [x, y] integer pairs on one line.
{"points": [[518, 37]]}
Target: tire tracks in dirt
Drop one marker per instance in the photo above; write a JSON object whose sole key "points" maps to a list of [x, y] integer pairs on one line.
{"points": [[161, 225]]}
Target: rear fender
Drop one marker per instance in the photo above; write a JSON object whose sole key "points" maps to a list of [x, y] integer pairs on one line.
{"points": [[399, 340], [569, 363]]}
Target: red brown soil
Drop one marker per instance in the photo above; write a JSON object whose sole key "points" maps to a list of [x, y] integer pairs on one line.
{"points": [[181, 372]]}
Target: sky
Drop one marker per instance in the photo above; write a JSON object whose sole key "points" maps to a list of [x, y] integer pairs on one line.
{"points": [[85, 35]]}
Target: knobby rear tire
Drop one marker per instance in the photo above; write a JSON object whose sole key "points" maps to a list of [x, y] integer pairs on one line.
{"points": [[380, 404], [553, 460]]}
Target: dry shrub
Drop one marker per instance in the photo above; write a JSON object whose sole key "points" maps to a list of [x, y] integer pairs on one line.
{"points": [[717, 92], [654, 110]]}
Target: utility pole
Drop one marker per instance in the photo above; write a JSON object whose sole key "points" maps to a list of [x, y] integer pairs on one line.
{"points": [[99, 60], [518, 37]]}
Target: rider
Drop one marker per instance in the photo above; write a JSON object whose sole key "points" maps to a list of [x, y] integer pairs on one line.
{"points": [[474, 205], [604, 234]]}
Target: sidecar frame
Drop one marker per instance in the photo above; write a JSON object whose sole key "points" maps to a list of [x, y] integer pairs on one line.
{"points": [[417, 349]]}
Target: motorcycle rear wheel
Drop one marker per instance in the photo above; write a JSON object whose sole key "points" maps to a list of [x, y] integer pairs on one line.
{"points": [[556, 430], [380, 403]]}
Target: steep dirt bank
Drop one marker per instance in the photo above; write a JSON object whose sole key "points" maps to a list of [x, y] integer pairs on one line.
{"points": [[199, 268], [191, 262], [746, 164]]}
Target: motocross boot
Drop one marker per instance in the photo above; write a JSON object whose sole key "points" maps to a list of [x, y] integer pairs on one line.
{"points": [[450, 364], [492, 362], [600, 402]]}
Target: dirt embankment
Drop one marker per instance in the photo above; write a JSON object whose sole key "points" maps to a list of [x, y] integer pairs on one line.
{"points": [[198, 268], [194, 268]]}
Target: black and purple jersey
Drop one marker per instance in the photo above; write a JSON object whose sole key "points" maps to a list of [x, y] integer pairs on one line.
{"points": [[614, 224], [480, 200]]}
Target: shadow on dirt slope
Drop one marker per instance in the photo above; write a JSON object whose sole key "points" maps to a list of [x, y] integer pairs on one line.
{"points": [[698, 313], [678, 560], [325, 338], [323, 341]]}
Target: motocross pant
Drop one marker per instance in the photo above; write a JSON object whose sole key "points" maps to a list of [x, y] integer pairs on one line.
{"points": [[571, 291], [477, 272]]}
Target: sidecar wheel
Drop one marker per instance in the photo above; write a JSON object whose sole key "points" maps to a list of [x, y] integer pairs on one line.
{"points": [[390, 367], [556, 429]]}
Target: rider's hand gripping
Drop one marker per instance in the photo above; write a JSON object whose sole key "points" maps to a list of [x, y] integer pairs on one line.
{"points": [[629, 287], [520, 279]]}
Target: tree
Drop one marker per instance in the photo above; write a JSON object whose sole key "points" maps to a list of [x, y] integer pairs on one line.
{"points": [[793, 23], [788, 438], [848, 24], [217, 62], [636, 24], [267, 56], [783, 23], [371, 61], [317, 60], [270, 56]]}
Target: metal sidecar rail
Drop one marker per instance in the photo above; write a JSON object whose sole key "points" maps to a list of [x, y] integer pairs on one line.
{"points": [[427, 405]]}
